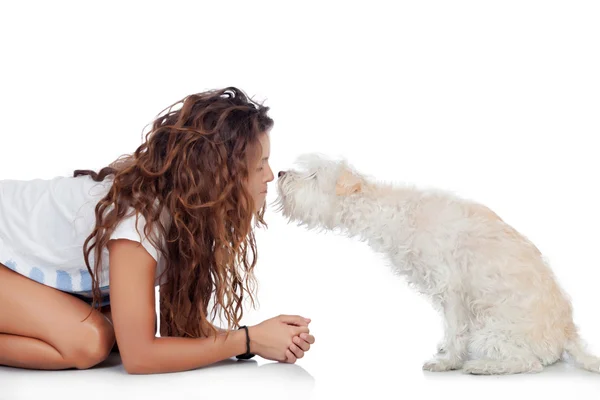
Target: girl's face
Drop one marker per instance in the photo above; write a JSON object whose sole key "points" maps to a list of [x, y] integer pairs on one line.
{"points": [[260, 173]]}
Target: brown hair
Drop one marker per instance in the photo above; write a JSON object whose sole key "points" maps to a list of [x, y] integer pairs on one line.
{"points": [[194, 164]]}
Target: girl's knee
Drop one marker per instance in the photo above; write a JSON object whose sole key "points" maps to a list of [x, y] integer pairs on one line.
{"points": [[94, 344]]}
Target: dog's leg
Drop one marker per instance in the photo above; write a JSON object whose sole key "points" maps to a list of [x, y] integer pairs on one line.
{"points": [[495, 353], [515, 365], [453, 350], [441, 347]]}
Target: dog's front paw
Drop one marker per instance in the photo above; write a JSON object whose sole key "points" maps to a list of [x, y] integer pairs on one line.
{"points": [[441, 365]]}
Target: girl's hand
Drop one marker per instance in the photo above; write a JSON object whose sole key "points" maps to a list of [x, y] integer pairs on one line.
{"points": [[273, 339], [300, 346]]}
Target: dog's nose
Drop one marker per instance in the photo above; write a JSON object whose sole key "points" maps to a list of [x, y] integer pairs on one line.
{"points": [[280, 174]]}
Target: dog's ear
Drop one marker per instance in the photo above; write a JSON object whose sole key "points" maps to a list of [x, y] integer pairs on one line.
{"points": [[347, 184]]}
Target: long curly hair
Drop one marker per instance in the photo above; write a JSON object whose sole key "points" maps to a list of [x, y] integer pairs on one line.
{"points": [[194, 164]]}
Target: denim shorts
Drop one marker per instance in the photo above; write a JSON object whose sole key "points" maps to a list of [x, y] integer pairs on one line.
{"points": [[104, 300]]}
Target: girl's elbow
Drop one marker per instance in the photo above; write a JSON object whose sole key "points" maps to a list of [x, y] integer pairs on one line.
{"points": [[137, 363]]}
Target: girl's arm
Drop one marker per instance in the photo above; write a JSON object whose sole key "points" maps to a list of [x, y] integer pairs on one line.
{"points": [[132, 292]]}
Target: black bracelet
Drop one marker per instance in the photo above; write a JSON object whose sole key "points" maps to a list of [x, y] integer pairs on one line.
{"points": [[247, 355]]}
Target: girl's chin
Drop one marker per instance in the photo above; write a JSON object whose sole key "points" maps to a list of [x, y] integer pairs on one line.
{"points": [[262, 202]]}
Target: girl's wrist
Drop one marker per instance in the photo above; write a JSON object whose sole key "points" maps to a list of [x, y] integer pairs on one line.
{"points": [[247, 352]]}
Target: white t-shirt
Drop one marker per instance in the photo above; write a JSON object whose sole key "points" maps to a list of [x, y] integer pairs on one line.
{"points": [[44, 223]]}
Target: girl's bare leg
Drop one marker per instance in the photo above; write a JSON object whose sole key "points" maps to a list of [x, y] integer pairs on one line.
{"points": [[42, 328]]}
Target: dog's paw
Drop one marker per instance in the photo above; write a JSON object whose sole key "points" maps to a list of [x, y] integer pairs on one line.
{"points": [[441, 365], [593, 366]]}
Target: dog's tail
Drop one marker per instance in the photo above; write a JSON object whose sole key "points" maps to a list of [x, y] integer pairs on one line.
{"points": [[577, 351]]}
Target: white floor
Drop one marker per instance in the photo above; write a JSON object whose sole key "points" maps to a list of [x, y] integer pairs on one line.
{"points": [[334, 377]]}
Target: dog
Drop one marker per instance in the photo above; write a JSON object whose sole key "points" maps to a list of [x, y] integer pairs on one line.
{"points": [[503, 310]]}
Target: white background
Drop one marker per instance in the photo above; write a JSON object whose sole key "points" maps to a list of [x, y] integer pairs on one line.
{"points": [[496, 101]]}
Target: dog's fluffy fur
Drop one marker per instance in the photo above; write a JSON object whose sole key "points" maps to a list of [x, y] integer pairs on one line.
{"points": [[503, 310]]}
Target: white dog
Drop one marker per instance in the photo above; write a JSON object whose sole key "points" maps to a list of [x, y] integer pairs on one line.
{"points": [[504, 312]]}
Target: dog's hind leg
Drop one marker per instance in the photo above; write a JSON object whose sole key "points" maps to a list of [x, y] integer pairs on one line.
{"points": [[495, 353], [453, 350], [515, 365]]}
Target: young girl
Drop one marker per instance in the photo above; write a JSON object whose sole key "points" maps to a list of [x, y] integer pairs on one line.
{"points": [[179, 214]]}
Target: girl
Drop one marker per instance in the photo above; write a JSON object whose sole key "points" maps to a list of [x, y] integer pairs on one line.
{"points": [[179, 214]]}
